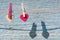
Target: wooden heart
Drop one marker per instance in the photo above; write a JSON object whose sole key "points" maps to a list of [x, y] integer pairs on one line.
{"points": [[10, 15], [10, 11], [24, 18]]}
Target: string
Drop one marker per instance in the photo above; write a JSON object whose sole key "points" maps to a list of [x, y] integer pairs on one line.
{"points": [[27, 29], [22, 6]]}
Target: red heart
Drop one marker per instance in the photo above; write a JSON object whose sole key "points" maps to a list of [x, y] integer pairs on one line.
{"points": [[10, 15], [10, 11], [24, 18]]}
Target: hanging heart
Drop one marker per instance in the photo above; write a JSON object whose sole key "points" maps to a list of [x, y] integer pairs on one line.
{"points": [[10, 11], [24, 18], [9, 16]]}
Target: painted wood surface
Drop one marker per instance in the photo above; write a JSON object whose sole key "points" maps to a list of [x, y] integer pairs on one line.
{"points": [[47, 11]]}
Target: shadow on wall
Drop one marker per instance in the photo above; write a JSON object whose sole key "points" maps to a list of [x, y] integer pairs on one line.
{"points": [[45, 33], [33, 31]]}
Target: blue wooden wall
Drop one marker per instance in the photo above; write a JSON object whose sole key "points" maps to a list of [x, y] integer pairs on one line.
{"points": [[47, 11]]}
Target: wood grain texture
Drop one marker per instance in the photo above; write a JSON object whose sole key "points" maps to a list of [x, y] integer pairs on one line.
{"points": [[38, 10]]}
